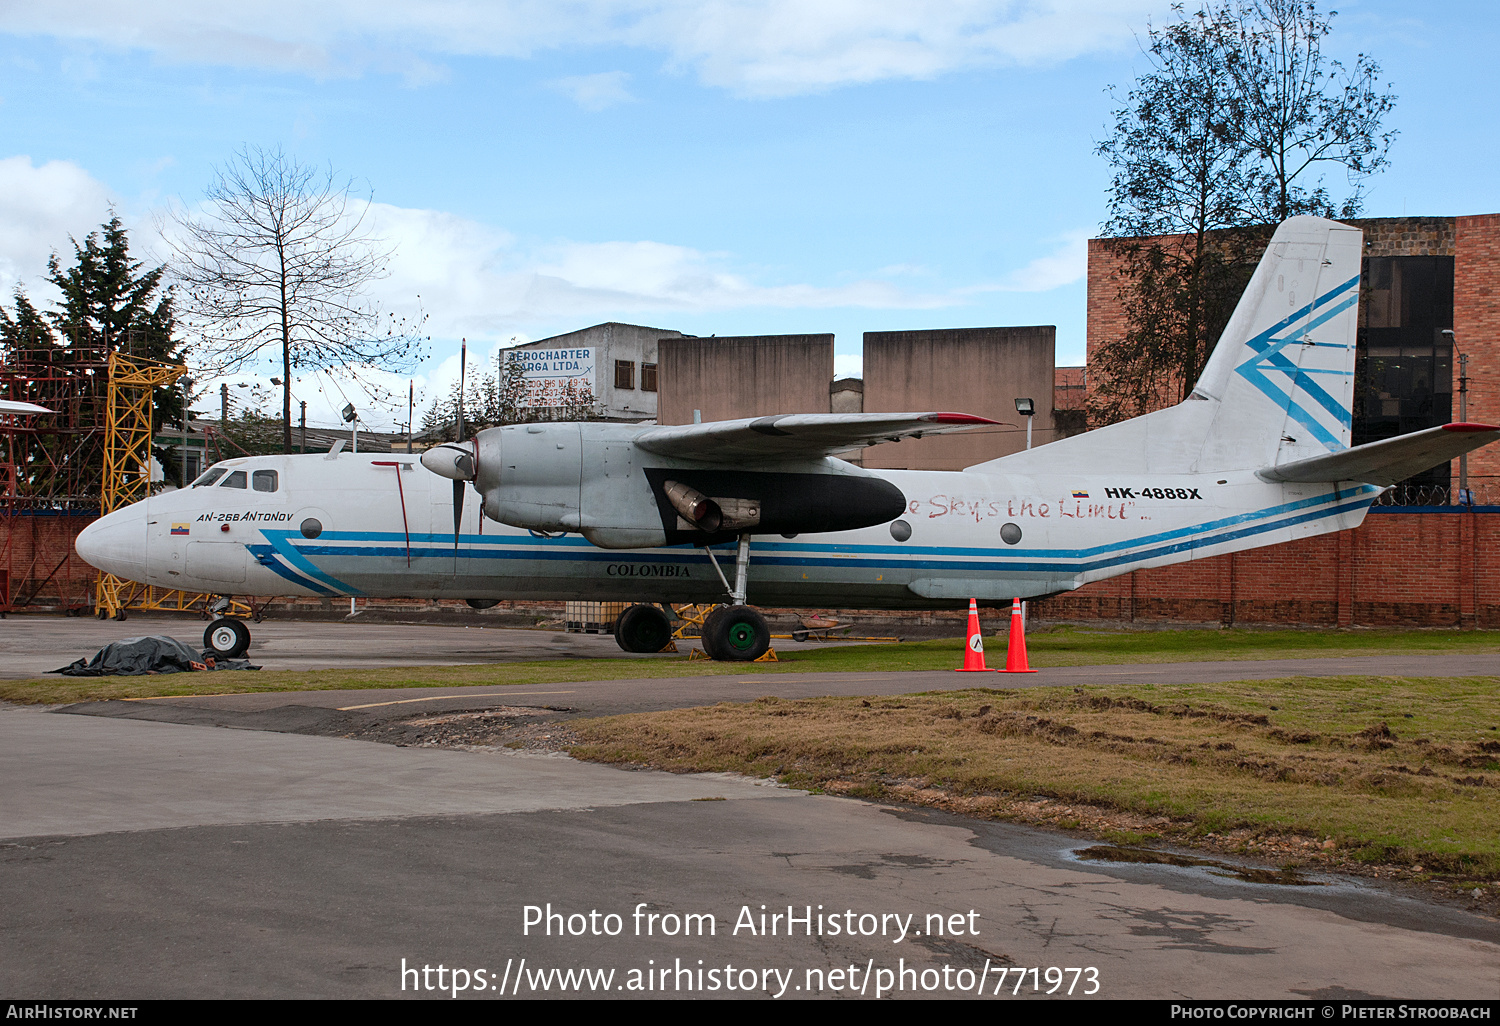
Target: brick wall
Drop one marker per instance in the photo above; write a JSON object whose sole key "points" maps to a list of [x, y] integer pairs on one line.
{"points": [[1476, 327], [39, 568], [1434, 568]]}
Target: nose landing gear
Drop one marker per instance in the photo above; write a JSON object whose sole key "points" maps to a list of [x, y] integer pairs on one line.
{"points": [[227, 638]]}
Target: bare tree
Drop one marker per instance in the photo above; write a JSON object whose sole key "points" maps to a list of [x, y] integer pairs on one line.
{"points": [[1302, 111], [280, 258]]}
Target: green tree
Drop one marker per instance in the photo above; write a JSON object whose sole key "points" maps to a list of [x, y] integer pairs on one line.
{"points": [[1183, 172], [26, 327], [492, 401], [1228, 128], [110, 301]]}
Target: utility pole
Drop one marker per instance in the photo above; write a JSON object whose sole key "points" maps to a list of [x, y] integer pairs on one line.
{"points": [[303, 426], [187, 398], [411, 398], [1464, 497], [224, 405]]}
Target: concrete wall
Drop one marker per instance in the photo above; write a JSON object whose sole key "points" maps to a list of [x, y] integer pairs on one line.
{"points": [[964, 370], [744, 376], [847, 395], [615, 341]]}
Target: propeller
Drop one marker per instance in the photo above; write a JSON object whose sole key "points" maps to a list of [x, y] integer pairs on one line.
{"points": [[458, 518], [456, 462]]}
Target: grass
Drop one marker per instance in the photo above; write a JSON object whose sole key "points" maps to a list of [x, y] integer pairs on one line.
{"points": [[1061, 646], [1391, 769]]}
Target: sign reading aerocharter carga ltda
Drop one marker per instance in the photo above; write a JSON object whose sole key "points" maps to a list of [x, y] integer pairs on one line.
{"points": [[556, 377]]}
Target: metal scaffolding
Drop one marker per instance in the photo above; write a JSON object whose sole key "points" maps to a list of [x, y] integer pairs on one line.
{"points": [[127, 479], [49, 470]]}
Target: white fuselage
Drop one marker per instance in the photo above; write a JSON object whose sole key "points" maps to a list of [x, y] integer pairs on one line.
{"points": [[341, 524]]}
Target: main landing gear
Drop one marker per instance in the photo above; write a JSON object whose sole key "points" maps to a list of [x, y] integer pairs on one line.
{"points": [[733, 633], [736, 633], [643, 628]]}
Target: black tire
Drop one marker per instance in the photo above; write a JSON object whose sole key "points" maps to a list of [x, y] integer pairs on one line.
{"points": [[709, 633], [481, 603], [643, 628], [227, 638], [736, 634]]}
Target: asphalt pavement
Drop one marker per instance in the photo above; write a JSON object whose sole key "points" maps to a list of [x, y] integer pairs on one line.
{"points": [[146, 851]]}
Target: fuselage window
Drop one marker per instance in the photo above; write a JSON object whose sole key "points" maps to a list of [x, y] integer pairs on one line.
{"points": [[263, 480], [235, 480], [214, 473]]}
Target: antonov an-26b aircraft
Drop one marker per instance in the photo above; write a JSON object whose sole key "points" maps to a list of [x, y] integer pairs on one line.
{"points": [[761, 508]]}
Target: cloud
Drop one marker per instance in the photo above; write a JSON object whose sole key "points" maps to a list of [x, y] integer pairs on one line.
{"points": [[480, 282], [1066, 264], [750, 47], [848, 365], [595, 92], [39, 208]]}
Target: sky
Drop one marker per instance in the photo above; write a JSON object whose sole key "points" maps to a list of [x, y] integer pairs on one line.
{"points": [[727, 167]]}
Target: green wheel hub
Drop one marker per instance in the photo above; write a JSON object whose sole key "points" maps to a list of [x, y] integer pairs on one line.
{"points": [[741, 635]]}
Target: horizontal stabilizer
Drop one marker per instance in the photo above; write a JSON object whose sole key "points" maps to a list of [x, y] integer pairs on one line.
{"points": [[14, 406], [1390, 460], [796, 436]]}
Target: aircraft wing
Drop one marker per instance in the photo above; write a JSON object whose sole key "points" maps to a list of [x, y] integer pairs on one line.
{"points": [[13, 406], [796, 436], [1389, 460]]}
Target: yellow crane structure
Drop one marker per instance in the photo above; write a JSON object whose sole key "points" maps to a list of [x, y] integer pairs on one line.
{"points": [[127, 478]]}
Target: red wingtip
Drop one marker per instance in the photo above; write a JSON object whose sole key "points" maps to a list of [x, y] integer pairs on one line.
{"points": [[957, 418], [1470, 427]]}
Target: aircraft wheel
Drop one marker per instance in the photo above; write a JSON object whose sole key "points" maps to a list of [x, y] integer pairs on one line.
{"points": [[227, 637], [736, 634], [643, 628]]}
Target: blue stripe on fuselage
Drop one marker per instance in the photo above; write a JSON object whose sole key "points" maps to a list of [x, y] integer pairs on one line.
{"points": [[781, 554]]}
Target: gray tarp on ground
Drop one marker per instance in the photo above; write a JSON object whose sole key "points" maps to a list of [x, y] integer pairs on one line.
{"points": [[134, 657]]}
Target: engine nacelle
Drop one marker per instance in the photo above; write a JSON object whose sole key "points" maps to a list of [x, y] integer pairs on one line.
{"points": [[591, 478], [530, 474]]}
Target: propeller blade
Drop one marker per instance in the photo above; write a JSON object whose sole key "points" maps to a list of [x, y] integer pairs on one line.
{"points": [[458, 519]]}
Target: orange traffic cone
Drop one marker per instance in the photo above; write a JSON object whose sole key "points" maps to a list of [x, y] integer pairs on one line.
{"points": [[1015, 651], [974, 651]]}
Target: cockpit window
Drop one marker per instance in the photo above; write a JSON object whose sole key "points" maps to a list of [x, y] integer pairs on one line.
{"points": [[209, 477], [263, 480], [235, 480]]}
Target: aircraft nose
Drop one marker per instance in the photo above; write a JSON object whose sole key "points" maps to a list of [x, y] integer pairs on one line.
{"points": [[116, 543]]}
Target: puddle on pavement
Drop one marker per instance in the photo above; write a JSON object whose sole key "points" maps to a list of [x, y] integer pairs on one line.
{"points": [[1147, 856]]}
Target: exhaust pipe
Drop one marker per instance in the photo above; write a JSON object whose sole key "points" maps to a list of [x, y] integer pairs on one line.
{"points": [[696, 508]]}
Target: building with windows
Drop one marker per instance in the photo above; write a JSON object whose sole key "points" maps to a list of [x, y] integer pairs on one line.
{"points": [[611, 368], [1430, 295]]}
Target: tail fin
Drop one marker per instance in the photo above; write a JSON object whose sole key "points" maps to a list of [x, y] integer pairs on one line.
{"points": [[1283, 371], [1278, 388]]}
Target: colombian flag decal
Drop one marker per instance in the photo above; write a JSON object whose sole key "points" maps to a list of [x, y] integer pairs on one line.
{"points": [[179, 528], [1079, 493]]}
